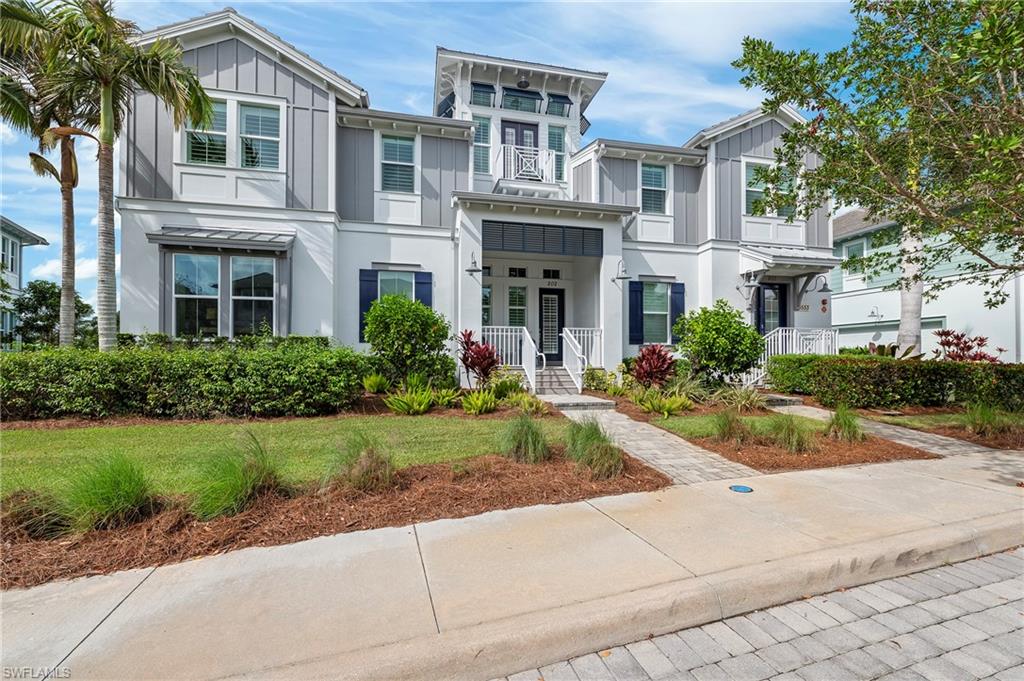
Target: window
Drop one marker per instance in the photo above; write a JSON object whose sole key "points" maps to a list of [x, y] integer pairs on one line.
{"points": [[252, 295], [520, 100], [517, 272], [391, 283], [196, 294], [482, 145], [486, 270], [483, 95], [9, 257], [552, 274], [485, 305], [209, 146], [517, 306], [854, 249], [655, 312], [556, 143], [4, 241], [259, 134], [755, 189], [398, 164], [653, 183], [559, 105]]}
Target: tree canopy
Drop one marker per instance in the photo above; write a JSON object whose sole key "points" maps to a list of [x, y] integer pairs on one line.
{"points": [[919, 120], [38, 310]]}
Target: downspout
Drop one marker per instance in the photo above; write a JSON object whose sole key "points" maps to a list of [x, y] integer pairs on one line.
{"points": [[1019, 315]]}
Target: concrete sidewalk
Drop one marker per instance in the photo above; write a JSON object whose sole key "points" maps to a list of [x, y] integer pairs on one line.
{"points": [[484, 596]]}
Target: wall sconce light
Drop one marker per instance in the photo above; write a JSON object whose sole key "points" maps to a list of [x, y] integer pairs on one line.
{"points": [[875, 314], [621, 274], [824, 284], [750, 282], [473, 267]]}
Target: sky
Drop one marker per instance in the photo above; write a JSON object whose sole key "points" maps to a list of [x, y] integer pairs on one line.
{"points": [[668, 65]]}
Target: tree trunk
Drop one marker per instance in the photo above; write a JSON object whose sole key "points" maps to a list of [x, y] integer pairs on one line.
{"points": [[911, 296], [67, 242], [106, 283]]}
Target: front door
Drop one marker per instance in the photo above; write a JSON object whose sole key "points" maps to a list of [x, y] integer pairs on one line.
{"points": [[772, 311], [552, 319], [522, 161]]}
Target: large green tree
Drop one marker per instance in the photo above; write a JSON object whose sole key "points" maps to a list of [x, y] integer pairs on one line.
{"points": [[107, 66], [919, 120], [38, 310]]}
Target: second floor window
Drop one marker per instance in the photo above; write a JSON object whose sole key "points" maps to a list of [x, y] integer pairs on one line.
{"points": [[482, 145], [654, 188], [10, 255], [556, 143], [209, 145], [754, 190], [398, 164], [259, 134]]}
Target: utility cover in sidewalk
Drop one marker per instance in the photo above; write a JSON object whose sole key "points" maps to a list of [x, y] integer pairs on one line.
{"points": [[742, 489]]}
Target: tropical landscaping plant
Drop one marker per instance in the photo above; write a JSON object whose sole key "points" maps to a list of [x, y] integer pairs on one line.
{"points": [[654, 401], [446, 397], [653, 366], [39, 308], [741, 399], [478, 358], [957, 346], [376, 383], [527, 403], [409, 338], [228, 484], [410, 402], [111, 492], [479, 402], [717, 342], [505, 382], [521, 439]]}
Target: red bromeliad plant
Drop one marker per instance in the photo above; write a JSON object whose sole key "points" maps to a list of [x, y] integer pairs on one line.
{"points": [[654, 366], [957, 346], [480, 359]]}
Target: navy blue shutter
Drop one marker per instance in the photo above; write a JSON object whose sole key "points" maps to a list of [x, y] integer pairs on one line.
{"points": [[636, 313], [676, 306], [367, 294], [425, 288]]}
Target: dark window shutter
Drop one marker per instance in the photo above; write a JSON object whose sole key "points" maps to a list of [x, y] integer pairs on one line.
{"points": [[367, 294], [676, 306], [425, 288], [636, 313]]}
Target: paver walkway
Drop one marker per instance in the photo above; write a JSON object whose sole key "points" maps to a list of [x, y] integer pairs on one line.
{"points": [[958, 622], [683, 462], [928, 442]]}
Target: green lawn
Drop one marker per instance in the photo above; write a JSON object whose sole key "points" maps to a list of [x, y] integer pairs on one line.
{"points": [[926, 421], [39, 459], [704, 426]]}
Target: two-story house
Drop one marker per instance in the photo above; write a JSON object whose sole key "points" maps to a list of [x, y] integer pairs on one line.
{"points": [[13, 239], [300, 204]]}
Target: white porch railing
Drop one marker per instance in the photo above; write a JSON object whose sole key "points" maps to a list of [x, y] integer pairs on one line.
{"points": [[788, 340], [573, 359], [515, 347], [525, 163], [591, 343]]}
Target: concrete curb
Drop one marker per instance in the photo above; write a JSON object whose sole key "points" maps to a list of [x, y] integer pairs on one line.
{"points": [[535, 639]]}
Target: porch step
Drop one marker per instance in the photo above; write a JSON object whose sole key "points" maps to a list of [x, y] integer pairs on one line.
{"points": [[776, 400], [555, 381]]}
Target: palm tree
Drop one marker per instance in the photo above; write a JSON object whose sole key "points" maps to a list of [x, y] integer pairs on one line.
{"points": [[106, 66], [30, 58]]}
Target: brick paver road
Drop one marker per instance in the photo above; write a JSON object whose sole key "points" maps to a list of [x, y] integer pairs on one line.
{"points": [[956, 623]]}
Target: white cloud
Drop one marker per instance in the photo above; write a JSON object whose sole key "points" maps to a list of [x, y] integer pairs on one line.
{"points": [[85, 268], [7, 135]]}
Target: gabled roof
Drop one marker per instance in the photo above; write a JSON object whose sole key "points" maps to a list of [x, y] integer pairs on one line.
{"points": [[856, 222], [230, 18], [642, 149], [26, 237], [786, 114]]}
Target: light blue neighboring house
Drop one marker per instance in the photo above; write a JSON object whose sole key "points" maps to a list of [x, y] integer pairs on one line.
{"points": [[863, 311], [13, 239]]}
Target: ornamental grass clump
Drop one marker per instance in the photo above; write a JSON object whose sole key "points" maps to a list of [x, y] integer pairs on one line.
{"points": [[590, 448], [740, 399], [479, 402], [787, 432], [729, 427], [37, 515], [228, 484], [527, 403], [108, 493], [986, 421], [364, 464], [522, 440], [845, 426]]}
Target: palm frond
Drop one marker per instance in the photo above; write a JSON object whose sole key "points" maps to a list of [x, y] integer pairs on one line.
{"points": [[22, 25], [16, 104], [42, 167]]}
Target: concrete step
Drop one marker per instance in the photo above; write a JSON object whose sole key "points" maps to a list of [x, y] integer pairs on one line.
{"points": [[776, 400]]}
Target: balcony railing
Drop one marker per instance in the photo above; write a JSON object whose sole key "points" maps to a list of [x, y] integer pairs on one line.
{"points": [[529, 164]]}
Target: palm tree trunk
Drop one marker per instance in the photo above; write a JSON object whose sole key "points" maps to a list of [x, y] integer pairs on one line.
{"points": [[911, 297], [106, 283], [67, 242]]}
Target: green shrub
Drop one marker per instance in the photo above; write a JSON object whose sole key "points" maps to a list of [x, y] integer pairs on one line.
{"points": [[416, 382], [410, 402], [364, 465], [740, 399], [616, 390], [505, 382], [410, 338], [845, 426], [687, 385], [228, 484], [590, 448], [717, 341], [729, 427], [527, 403], [298, 380], [376, 383], [479, 402], [522, 440], [654, 401], [446, 397], [791, 373], [788, 432], [595, 378], [37, 515], [110, 492]]}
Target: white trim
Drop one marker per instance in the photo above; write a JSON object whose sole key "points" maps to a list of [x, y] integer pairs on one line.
{"points": [[222, 209], [786, 116], [711, 172], [770, 228], [332, 157], [854, 281], [397, 207]]}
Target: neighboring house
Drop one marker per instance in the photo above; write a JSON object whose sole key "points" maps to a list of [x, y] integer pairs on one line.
{"points": [[13, 238], [300, 205], [864, 312]]}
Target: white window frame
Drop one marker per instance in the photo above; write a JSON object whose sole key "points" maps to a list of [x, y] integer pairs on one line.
{"points": [[241, 134], [770, 163], [175, 295], [493, 96], [668, 183], [854, 280], [232, 297], [412, 294], [482, 123], [13, 256], [563, 154], [667, 312], [189, 128], [524, 307], [233, 155], [489, 308]]}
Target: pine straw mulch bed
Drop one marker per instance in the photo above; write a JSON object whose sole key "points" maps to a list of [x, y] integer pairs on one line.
{"points": [[422, 493]]}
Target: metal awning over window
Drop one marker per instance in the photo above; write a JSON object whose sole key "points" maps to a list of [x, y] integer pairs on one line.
{"points": [[483, 87], [561, 99], [529, 94], [220, 238]]}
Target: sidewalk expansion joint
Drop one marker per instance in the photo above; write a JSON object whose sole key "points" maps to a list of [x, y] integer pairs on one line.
{"points": [[426, 580]]}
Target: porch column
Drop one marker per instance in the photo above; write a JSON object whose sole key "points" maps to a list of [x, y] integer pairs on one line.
{"points": [[466, 309], [611, 295]]}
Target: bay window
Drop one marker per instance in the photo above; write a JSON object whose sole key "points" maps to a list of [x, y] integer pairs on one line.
{"points": [[196, 295], [398, 164], [209, 145], [653, 188], [656, 313], [252, 294]]}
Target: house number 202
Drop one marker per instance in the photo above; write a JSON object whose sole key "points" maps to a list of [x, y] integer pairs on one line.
{"points": [[552, 282]]}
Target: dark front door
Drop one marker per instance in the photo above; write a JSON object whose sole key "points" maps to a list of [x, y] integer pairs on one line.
{"points": [[772, 311], [552, 319], [519, 134]]}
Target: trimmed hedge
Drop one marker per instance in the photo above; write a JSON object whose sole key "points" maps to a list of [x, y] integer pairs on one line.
{"points": [[290, 380], [791, 373], [888, 382]]}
